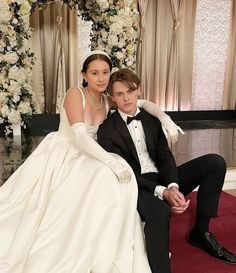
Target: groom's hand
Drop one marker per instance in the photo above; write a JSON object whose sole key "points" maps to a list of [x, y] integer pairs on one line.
{"points": [[180, 209], [176, 200]]}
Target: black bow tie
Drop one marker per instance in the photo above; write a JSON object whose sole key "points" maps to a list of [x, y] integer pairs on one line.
{"points": [[137, 117]]}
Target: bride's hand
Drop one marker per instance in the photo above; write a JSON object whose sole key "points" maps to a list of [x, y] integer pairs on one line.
{"points": [[121, 170], [170, 129]]}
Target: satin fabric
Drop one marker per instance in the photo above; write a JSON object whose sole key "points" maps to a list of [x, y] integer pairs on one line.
{"points": [[63, 211]]}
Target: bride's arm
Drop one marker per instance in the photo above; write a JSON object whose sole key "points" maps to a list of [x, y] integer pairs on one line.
{"points": [[74, 110], [169, 127]]}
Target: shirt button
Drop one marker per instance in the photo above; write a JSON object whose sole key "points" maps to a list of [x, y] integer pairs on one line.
{"points": [[135, 127]]}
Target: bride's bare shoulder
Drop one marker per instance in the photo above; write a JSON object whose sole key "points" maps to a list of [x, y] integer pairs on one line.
{"points": [[74, 91], [73, 96]]}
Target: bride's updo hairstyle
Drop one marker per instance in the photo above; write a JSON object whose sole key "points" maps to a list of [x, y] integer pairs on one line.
{"points": [[95, 55]]}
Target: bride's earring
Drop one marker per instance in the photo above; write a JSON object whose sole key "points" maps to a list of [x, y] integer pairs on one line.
{"points": [[84, 83]]}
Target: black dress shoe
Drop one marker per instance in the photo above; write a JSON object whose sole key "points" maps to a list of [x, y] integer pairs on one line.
{"points": [[208, 243]]}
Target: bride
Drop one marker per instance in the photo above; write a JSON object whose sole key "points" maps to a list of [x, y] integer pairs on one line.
{"points": [[71, 207]]}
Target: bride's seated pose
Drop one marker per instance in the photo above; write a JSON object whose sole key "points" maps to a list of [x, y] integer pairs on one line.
{"points": [[71, 206]]}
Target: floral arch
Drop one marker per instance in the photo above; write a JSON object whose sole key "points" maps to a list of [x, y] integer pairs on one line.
{"points": [[114, 29]]}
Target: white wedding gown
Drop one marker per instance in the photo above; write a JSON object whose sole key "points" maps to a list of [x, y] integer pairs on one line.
{"points": [[63, 211]]}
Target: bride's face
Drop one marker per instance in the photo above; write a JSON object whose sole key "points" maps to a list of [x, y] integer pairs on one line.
{"points": [[97, 76]]}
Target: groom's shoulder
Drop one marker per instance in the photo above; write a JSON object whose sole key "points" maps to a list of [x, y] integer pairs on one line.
{"points": [[109, 121], [149, 116]]}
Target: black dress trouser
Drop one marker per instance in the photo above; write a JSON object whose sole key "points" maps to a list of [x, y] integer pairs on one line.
{"points": [[207, 172]]}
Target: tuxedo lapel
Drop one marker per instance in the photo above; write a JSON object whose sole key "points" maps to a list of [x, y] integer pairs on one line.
{"points": [[122, 128]]}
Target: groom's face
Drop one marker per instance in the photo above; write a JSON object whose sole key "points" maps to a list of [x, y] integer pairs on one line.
{"points": [[125, 98]]}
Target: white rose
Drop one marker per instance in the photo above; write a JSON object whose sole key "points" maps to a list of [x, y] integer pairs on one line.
{"points": [[3, 27], [5, 111], [3, 97], [112, 40], [11, 57], [129, 63], [5, 15], [103, 4], [24, 9], [18, 74], [116, 28], [14, 87]]}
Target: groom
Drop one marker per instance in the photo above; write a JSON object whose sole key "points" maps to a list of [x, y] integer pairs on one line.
{"points": [[138, 137]]}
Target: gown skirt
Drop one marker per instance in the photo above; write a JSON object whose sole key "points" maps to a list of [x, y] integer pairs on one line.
{"points": [[64, 211]]}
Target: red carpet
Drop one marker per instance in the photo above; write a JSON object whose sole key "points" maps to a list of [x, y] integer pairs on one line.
{"points": [[188, 259]]}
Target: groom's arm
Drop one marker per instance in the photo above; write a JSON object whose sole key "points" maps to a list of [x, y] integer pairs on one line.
{"points": [[105, 139]]}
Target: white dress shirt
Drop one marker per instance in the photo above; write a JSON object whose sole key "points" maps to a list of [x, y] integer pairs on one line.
{"points": [[147, 164]]}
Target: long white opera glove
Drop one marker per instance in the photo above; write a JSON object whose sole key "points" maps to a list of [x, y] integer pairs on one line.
{"points": [[88, 144], [170, 129]]}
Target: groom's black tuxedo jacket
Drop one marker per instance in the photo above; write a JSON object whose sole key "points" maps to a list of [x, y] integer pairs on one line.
{"points": [[113, 136]]}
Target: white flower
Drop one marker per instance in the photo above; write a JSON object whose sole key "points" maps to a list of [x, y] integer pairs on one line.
{"points": [[5, 111], [103, 4], [18, 74], [25, 108], [5, 15], [120, 55], [11, 57], [116, 28], [130, 48], [14, 87], [112, 39], [129, 63], [1, 120], [14, 116], [24, 8], [16, 98], [128, 2], [14, 21], [3, 97]]}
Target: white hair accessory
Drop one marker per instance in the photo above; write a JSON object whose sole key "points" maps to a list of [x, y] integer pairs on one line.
{"points": [[94, 52]]}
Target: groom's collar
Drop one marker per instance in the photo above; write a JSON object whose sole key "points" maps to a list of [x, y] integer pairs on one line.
{"points": [[124, 115]]}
